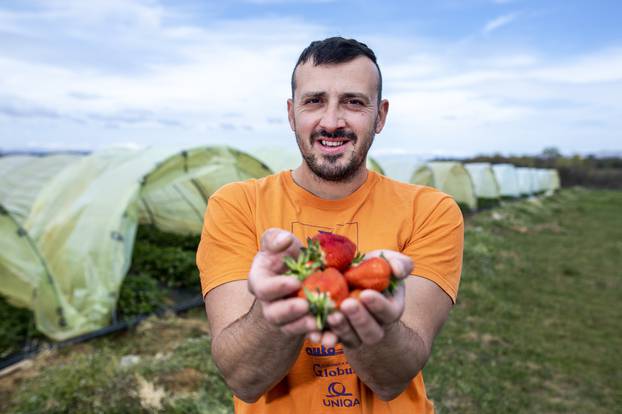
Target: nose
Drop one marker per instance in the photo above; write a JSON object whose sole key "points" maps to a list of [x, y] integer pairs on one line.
{"points": [[332, 118]]}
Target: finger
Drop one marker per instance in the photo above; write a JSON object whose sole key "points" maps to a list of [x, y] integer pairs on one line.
{"points": [[301, 326], [339, 324], [363, 323], [267, 264], [272, 288], [281, 312], [276, 240], [329, 339], [401, 265], [384, 309], [315, 337]]}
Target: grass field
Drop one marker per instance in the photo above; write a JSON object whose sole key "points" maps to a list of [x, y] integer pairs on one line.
{"points": [[535, 329], [537, 325]]}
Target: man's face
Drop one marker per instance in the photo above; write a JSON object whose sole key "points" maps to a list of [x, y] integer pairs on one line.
{"points": [[335, 115]]}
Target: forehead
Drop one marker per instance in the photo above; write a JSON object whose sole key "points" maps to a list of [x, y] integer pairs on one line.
{"points": [[358, 75]]}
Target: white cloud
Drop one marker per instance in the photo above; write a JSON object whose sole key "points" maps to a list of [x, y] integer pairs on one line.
{"points": [[153, 76], [499, 22]]}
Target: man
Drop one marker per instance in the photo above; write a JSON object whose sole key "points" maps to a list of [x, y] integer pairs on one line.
{"points": [[264, 340]]}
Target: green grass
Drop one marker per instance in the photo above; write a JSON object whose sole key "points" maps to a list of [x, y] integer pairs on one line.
{"points": [[535, 330], [171, 371], [537, 323]]}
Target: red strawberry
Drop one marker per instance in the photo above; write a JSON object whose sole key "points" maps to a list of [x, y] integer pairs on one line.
{"points": [[325, 291], [332, 250], [374, 273]]}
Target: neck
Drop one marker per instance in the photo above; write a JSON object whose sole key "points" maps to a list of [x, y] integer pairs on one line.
{"points": [[328, 190]]}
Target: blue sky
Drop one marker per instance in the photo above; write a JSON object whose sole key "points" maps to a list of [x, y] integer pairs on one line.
{"points": [[462, 77]]}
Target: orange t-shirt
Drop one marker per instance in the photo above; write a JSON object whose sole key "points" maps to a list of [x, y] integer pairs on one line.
{"points": [[418, 221]]}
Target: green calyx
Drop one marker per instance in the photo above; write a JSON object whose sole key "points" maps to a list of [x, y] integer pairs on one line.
{"points": [[393, 284], [303, 266], [315, 251], [320, 305], [358, 259]]}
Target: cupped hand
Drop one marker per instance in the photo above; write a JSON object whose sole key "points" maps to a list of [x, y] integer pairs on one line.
{"points": [[274, 290], [365, 321]]}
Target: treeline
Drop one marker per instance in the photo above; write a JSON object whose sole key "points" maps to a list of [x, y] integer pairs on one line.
{"points": [[576, 170]]}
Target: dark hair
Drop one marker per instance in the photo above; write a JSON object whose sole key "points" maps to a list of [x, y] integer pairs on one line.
{"points": [[336, 50]]}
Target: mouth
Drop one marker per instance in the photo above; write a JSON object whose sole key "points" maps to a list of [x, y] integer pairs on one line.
{"points": [[332, 143], [332, 146]]}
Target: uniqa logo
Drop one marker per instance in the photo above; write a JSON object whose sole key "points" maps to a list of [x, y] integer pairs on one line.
{"points": [[338, 396]]}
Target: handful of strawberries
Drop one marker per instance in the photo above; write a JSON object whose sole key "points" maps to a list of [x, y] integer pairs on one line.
{"points": [[331, 271]]}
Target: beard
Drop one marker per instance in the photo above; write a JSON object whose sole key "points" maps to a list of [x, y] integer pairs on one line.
{"points": [[328, 167]]}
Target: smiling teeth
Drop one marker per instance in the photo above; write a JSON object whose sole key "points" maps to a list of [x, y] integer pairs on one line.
{"points": [[332, 143]]}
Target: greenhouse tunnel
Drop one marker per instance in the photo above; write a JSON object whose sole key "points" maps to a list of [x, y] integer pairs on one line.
{"points": [[508, 180], [75, 244], [451, 178], [484, 183]]}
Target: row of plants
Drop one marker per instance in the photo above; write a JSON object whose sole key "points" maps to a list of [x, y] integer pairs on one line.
{"points": [[161, 262]]}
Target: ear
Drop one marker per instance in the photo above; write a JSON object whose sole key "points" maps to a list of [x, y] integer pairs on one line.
{"points": [[383, 110], [290, 114]]}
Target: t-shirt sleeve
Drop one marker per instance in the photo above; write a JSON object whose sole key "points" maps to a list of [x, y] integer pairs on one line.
{"points": [[437, 242], [228, 239]]}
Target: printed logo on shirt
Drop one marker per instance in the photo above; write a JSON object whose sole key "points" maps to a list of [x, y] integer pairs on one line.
{"points": [[338, 396], [331, 370], [322, 351]]}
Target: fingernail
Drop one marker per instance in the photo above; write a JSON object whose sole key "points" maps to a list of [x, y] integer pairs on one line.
{"points": [[281, 238], [334, 319], [350, 307]]}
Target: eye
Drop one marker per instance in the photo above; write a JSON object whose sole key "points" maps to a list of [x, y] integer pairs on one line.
{"points": [[311, 101], [356, 102]]}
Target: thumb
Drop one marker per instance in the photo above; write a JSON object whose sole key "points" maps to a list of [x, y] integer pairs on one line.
{"points": [[276, 240]]}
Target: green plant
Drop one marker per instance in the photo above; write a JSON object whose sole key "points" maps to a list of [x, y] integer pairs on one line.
{"points": [[171, 265], [140, 294], [16, 327], [152, 235]]}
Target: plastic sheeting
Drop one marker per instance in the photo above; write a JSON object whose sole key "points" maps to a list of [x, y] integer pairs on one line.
{"points": [[422, 175], [451, 178], [507, 179], [82, 226], [484, 180], [23, 177], [526, 180]]}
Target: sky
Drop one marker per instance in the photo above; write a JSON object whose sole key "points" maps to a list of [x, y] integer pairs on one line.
{"points": [[462, 77]]}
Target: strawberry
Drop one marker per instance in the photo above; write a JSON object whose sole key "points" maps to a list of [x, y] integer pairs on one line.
{"points": [[332, 250], [355, 294], [325, 290], [374, 273]]}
